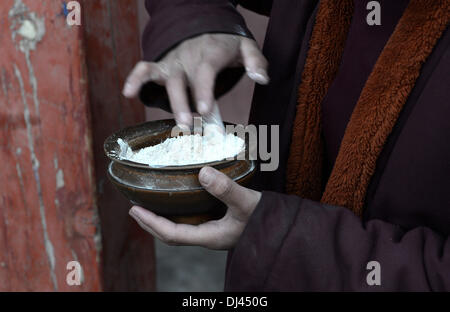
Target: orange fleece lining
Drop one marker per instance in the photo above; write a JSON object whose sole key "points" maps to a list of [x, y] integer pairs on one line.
{"points": [[378, 108]]}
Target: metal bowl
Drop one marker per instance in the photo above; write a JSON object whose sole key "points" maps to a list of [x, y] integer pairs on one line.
{"points": [[173, 192]]}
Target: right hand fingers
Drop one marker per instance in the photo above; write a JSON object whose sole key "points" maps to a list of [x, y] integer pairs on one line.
{"points": [[203, 84], [179, 102], [202, 78], [254, 61], [203, 87], [142, 73]]}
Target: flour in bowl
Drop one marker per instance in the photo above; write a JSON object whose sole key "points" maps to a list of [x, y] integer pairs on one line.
{"points": [[187, 150]]}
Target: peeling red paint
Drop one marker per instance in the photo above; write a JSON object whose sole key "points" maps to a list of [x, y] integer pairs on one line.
{"points": [[46, 118]]}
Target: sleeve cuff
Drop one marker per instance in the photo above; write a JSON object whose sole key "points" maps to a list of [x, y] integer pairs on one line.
{"points": [[262, 239], [173, 25]]}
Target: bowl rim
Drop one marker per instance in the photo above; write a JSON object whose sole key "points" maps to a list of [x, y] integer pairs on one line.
{"points": [[197, 189], [111, 140]]}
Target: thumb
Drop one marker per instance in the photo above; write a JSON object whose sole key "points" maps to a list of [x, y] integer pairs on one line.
{"points": [[254, 61], [229, 192], [141, 73]]}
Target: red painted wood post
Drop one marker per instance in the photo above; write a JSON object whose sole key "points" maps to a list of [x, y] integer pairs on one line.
{"points": [[111, 33], [57, 103]]}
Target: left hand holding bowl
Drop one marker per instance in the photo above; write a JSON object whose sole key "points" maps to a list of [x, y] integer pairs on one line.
{"points": [[217, 234]]}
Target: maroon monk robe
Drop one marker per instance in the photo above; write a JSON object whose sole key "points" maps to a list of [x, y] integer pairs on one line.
{"points": [[293, 243]]}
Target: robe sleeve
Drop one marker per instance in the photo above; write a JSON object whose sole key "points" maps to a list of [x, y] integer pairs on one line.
{"points": [[174, 21], [263, 7], [293, 244]]}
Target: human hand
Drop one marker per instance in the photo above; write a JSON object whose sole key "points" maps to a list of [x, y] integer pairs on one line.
{"points": [[195, 63], [217, 234]]}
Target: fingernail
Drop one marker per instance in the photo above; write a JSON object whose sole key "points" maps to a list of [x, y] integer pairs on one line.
{"points": [[202, 107], [206, 175], [127, 89], [184, 119], [133, 212], [258, 77], [184, 129]]}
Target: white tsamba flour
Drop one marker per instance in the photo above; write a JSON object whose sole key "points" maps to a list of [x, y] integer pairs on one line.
{"points": [[185, 150]]}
